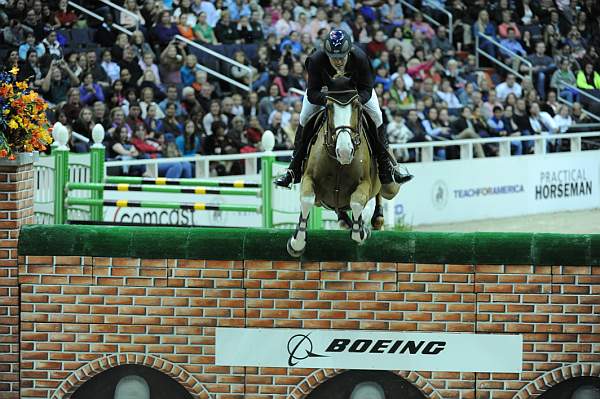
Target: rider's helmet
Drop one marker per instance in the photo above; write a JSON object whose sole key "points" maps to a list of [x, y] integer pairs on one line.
{"points": [[338, 44]]}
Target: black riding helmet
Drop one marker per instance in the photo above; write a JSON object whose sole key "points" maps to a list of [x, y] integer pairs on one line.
{"points": [[338, 44]]}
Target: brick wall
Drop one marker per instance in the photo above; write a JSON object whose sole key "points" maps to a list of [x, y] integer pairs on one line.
{"points": [[16, 209], [82, 315]]}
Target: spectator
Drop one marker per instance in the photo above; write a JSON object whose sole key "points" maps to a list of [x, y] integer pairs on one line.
{"points": [[318, 23], [185, 10], [184, 29], [189, 143], [463, 128], [53, 46], [188, 70], [164, 31], [447, 95], [563, 120], [214, 115], [579, 116], [484, 26], [551, 105], [507, 87], [171, 61], [133, 18], [219, 143], [120, 148], [512, 130], [112, 70], [435, 131], [511, 43], [189, 103], [507, 24], [399, 133], [588, 80], [441, 41], [203, 31], [64, 18], [147, 63], [31, 69], [57, 82], [541, 122], [89, 91], [117, 120], [98, 72], [542, 66], [170, 150], [563, 77], [134, 116], [83, 125], [106, 34], [150, 148], [140, 46], [418, 25], [99, 114], [282, 140], [225, 32], [170, 123], [30, 44], [403, 97]]}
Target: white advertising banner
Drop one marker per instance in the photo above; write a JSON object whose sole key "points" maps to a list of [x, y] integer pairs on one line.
{"points": [[375, 350], [490, 188]]}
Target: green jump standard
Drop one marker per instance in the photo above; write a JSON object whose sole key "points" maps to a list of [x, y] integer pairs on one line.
{"points": [[323, 245]]}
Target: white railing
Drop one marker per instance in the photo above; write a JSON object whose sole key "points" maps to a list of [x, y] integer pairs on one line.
{"points": [[425, 152], [98, 17], [431, 19], [447, 13], [123, 10], [497, 61], [223, 58]]}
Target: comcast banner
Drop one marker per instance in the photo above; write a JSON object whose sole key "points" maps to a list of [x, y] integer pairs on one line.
{"points": [[368, 350], [457, 191]]}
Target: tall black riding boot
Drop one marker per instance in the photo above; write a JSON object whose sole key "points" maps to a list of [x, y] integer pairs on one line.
{"points": [[388, 172], [294, 172]]}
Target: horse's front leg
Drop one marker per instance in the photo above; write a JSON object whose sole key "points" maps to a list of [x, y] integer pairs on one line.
{"points": [[297, 243], [358, 200]]}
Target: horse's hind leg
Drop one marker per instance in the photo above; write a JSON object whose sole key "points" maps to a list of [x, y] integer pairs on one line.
{"points": [[358, 200], [344, 220], [377, 219], [297, 243]]}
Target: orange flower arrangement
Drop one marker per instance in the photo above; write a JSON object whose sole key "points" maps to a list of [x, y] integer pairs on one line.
{"points": [[23, 123]]}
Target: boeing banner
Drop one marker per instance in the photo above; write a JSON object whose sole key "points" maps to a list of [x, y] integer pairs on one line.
{"points": [[363, 350]]}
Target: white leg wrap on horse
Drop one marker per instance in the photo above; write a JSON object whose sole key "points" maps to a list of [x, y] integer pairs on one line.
{"points": [[359, 233], [298, 242]]}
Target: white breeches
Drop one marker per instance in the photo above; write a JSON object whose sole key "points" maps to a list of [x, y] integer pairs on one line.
{"points": [[371, 108]]}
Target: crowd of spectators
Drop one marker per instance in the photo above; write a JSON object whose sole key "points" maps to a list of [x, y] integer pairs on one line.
{"points": [[154, 99]]}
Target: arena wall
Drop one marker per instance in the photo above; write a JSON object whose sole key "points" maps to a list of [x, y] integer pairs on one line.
{"points": [[93, 298]]}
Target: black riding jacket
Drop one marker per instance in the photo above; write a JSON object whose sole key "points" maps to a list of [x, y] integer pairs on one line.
{"points": [[320, 72]]}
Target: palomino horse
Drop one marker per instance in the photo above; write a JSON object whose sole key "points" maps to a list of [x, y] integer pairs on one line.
{"points": [[340, 173]]}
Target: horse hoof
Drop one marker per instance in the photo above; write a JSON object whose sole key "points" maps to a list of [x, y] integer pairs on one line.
{"points": [[377, 222], [292, 251], [343, 225]]}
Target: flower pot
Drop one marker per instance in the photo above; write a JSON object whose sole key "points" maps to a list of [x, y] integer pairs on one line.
{"points": [[22, 158]]}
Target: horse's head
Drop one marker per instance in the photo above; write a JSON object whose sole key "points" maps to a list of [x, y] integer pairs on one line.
{"points": [[343, 125]]}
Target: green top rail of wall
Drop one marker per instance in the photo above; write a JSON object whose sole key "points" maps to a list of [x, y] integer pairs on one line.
{"points": [[99, 183], [324, 245]]}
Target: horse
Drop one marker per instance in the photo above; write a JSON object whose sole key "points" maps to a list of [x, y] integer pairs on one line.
{"points": [[340, 172]]}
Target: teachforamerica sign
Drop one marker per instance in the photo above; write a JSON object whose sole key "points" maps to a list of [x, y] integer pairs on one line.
{"points": [[368, 350]]}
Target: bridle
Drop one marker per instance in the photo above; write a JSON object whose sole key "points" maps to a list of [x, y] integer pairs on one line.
{"points": [[333, 131]]}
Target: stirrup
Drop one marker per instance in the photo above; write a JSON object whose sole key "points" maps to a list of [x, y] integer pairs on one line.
{"points": [[405, 177]]}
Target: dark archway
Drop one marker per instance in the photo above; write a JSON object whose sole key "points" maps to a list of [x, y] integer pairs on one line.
{"points": [[102, 386], [341, 386], [568, 388]]}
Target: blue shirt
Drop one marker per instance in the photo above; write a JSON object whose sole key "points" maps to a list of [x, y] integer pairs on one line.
{"points": [[181, 145], [514, 46], [236, 12]]}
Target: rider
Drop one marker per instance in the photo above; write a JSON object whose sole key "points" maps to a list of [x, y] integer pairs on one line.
{"points": [[339, 57]]}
